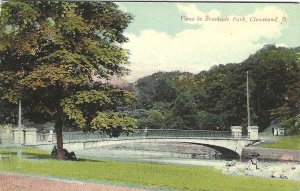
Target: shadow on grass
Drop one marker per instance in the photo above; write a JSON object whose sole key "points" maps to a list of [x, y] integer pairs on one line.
{"points": [[88, 160], [28, 153]]}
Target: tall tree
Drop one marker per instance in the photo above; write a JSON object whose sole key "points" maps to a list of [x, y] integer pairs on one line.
{"points": [[288, 114], [185, 112], [272, 70], [50, 54]]}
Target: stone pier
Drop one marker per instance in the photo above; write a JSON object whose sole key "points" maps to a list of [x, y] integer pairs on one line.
{"points": [[236, 131], [25, 136], [30, 136], [18, 136], [253, 132]]}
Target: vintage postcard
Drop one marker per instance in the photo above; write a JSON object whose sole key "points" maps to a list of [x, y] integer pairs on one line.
{"points": [[137, 95]]}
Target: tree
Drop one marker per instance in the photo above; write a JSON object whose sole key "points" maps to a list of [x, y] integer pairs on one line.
{"points": [[272, 70], [158, 87], [50, 54], [288, 114], [221, 96], [185, 111], [154, 120], [222, 89]]}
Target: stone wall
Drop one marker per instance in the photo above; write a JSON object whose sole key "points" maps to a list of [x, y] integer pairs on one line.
{"points": [[272, 154]]}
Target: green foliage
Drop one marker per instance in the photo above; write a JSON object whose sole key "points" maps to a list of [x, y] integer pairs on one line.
{"points": [[272, 70], [209, 120], [288, 114], [217, 97], [52, 51], [113, 120], [153, 119], [185, 111], [159, 87]]}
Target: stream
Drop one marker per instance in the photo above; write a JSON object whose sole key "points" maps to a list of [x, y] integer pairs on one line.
{"points": [[195, 155]]}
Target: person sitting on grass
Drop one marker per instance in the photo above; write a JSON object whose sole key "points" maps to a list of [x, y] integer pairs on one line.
{"points": [[68, 156]]}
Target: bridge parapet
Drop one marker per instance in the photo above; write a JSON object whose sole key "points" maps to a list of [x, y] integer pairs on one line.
{"points": [[180, 133]]}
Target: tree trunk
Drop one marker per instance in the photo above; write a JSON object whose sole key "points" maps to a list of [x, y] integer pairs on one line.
{"points": [[59, 139]]}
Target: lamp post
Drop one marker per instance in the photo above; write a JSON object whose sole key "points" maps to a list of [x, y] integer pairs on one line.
{"points": [[20, 136], [252, 130], [20, 123], [248, 102]]}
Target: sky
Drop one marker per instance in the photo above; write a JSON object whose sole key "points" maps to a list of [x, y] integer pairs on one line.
{"points": [[164, 36]]}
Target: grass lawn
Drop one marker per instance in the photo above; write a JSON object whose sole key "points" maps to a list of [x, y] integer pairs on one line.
{"points": [[27, 151], [164, 176], [285, 142]]}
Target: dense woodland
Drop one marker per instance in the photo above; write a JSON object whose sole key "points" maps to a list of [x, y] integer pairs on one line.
{"points": [[216, 99]]}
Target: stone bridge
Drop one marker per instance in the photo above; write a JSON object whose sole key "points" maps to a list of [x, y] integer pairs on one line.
{"points": [[226, 146], [227, 141]]}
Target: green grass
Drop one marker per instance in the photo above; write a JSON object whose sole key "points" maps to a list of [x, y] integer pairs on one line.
{"points": [[164, 176], [286, 142], [27, 151]]}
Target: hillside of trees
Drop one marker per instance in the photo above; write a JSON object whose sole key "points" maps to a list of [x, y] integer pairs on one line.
{"points": [[216, 99]]}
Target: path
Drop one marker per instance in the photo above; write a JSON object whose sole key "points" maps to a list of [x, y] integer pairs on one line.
{"points": [[267, 135], [13, 182]]}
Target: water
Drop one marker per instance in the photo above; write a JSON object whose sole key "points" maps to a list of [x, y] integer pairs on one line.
{"points": [[189, 154], [151, 151]]}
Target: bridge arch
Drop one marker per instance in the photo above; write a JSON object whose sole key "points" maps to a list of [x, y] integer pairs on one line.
{"points": [[226, 153], [232, 145]]}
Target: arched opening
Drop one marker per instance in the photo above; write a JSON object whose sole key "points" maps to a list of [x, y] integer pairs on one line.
{"points": [[227, 154]]}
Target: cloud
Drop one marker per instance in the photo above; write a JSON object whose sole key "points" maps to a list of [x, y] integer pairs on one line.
{"points": [[199, 49]]}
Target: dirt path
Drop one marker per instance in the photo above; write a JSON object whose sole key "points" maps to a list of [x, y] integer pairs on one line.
{"points": [[13, 182]]}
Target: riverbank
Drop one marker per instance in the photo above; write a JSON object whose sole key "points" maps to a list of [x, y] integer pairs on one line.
{"points": [[282, 142], [275, 148], [272, 154]]}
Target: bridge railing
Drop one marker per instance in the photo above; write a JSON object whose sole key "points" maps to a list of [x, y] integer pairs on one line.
{"points": [[186, 133], [80, 136], [43, 137], [240, 135], [83, 136], [77, 136]]}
